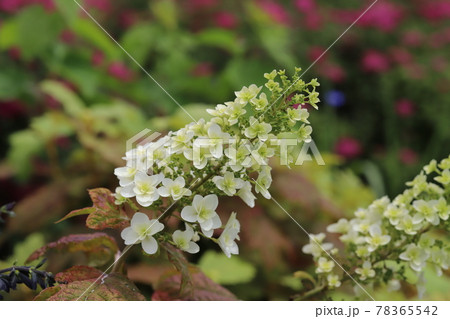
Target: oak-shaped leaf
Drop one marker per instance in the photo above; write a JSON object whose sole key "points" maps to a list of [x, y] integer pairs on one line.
{"points": [[202, 289], [78, 273], [104, 213], [99, 248], [110, 287]]}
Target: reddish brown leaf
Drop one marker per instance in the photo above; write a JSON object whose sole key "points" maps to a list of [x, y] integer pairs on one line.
{"points": [[104, 213], [99, 248], [110, 287], [203, 288], [78, 273]]}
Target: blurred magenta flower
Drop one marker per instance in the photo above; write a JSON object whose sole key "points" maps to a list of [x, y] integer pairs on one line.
{"points": [[15, 53], [97, 58], [374, 61], [332, 72], [404, 108], [127, 18], [439, 63], [275, 11], [198, 4], [412, 38], [202, 69], [314, 52], [120, 71], [11, 6], [400, 56], [102, 5], [407, 156], [313, 21], [348, 147], [384, 16], [335, 98], [305, 6], [225, 20], [67, 36], [435, 10]]}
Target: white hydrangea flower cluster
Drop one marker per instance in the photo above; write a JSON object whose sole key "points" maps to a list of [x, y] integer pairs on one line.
{"points": [[385, 239], [186, 170]]}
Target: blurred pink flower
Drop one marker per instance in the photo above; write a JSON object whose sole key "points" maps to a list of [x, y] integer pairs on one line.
{"points": [[415, 71], [384, 16], [435, 10], [315, 52], [67, 36], [275, 11], [102, 5], [127, 18], [348, 147], [97, 58], [202, 69], [332, 71], [400, 55], [407, 156], [313, 21], [15, 53], [305, 6], [226, 20], [374, 61], [404, 108], [47, 4], [11, 6], [413, 38], [197, 4], [439, 63], [120, 71]]}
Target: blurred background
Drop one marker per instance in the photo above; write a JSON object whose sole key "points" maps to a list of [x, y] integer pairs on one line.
{"points": [[70, 97]]}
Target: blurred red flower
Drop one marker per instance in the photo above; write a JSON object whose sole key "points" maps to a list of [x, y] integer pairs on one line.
{"points": [[374, 61], [120, 71], [408, 156], [348, 147], [435, 10], [226, 20], [305, 6], [97, 58], [275, 11], [404, 108]]}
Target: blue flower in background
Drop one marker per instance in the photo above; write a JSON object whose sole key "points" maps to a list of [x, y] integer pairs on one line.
{"points": [[335, 98]]}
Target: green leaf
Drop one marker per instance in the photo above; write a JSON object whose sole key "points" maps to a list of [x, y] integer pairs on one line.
{"points": [[203, 288], [88, 30], [99, 248], [226, 271], [111, 287], [77, 212], [139, 39], [180, 262], [220, 38], [72, 104], [166, 12], [36, 30], [23, 249], [8, 34], [24, 145]]}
